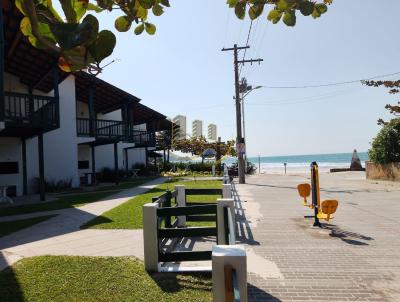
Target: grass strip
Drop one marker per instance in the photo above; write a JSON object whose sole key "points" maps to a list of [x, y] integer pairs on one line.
{"points": [[100, 279], [129, 214]]}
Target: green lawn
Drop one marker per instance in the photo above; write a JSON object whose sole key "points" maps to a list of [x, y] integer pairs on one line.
{"points": [[8, 227], [66, 278], [129, 214], [73, 200]]}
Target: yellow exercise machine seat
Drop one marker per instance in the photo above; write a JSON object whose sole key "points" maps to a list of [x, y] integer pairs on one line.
{"points": [[305, 191], [328, 207]]}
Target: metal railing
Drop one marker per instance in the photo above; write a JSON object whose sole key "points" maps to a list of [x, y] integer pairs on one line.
{"points": [[145, 138], [31, 110], [114, 130], [100, 128]]}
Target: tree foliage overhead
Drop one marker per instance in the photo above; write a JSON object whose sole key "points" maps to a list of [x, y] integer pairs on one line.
{"points": [[74, 35], [394, 88], [197, 145]]}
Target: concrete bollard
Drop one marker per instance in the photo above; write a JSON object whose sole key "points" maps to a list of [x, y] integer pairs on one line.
{"points": [[221, 204], [181, 201], [150, 239], [226, 191], [234, 256]]}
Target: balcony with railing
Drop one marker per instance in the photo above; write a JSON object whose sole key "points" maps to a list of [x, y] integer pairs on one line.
{"points": [[27, 114], [101, 129], [107, 130], [143, 138]]}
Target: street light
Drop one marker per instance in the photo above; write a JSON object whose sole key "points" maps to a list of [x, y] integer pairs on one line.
{"points": [[245, 90]]}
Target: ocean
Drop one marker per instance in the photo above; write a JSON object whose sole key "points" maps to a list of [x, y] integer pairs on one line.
{"points": [[297, 163]]}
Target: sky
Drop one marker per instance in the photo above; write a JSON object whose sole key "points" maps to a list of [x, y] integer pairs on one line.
{"points": [[182, 70]]}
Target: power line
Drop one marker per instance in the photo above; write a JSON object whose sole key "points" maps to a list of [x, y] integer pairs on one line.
{"points": [[309, 99], [247, 44], [332, 84]]}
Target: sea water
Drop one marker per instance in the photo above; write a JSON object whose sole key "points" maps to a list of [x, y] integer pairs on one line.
{"points": [[297, 163]]}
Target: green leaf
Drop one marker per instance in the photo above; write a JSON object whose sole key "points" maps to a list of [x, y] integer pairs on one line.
{"points": [[150, 28], [141, 13], [105, 4], [95, 8], [20, 5], [92, 20], [240, 10], [232, 3], [282, 5], [255, 11], [123, 24], [147, 4], [316, 14], [25, 26], [274, 16], [165, 3], [306, 8], [289, 18], [157, 10], [139, 29], [321, 8], [80, 7], [103, 46]]}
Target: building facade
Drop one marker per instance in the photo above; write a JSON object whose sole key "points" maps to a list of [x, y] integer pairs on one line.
{"points": [[60, 127], [197, 128], [180, 131], [212, 132]]}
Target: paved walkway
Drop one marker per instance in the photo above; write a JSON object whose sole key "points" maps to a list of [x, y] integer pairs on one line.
{"points": [[61, 235], [355, 258]]}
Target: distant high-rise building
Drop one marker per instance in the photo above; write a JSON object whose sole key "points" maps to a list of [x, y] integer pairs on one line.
{"points": [[180, 133], [197, 129], [212, 132]]}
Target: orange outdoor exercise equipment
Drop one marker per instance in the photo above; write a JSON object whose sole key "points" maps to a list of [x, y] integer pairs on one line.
{"points": [[322, 210], [305, 191]]}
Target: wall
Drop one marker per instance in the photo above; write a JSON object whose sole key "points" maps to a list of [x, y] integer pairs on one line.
{"points": [[11, 151], [85, 154], [60, 145], [82, 110], [136, 156], [383, 172]]}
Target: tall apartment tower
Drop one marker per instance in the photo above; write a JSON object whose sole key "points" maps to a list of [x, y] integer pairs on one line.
{"points": [[197, 129], [212, 132], [180, 120]]}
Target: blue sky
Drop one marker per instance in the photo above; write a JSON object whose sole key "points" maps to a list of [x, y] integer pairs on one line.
{"points": [[181, 70]]}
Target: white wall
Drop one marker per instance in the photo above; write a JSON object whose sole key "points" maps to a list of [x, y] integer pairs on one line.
{"points": [[136, 156], [60, 145], [11, 151]]}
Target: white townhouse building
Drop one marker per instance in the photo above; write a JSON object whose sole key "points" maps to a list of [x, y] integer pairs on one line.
{"points": [[56, 126]]}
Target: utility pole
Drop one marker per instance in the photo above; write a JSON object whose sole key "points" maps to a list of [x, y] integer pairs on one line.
{"points": [[239, 137]]}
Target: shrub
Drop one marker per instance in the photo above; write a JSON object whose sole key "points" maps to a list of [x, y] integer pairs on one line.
{"points": [[108, 175], [53, 185], [386, 145]]}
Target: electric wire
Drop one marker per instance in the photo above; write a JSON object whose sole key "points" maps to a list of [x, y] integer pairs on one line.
{"points": [[332, 84], [247, 44]]}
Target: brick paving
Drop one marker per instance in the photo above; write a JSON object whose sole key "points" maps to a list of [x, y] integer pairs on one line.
{"points": [[354, 258]]}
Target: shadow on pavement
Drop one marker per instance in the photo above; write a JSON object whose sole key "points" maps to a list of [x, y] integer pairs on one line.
{"points": [[243, 229], [346, 236], [258, 295]]}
